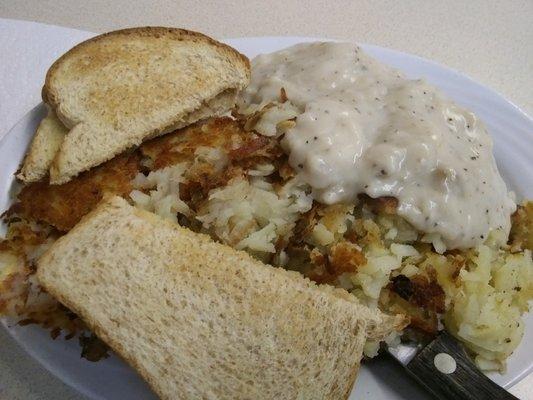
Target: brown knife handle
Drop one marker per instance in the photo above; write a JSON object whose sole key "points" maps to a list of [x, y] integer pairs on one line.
{"points": [[467, 382]]}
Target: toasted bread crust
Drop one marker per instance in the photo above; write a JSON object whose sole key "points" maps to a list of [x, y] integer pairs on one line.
{"points": [[151, 31], [45, 144]]}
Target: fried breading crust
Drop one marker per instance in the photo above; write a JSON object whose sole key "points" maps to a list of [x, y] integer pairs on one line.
{"points": [[242, 148], [62, 206]]}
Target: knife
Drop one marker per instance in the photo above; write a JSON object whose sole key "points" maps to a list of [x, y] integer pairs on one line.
{"points": [[446, 371]]}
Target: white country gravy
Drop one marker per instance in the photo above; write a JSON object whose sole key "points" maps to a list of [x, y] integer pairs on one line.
{"points": [[362, 127]]}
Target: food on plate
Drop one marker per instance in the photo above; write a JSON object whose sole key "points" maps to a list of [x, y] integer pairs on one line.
{"points": [[45, 145], [331, 164], [353, 127], [116, 90], [218, 178], [62, 206], [199, 319], [361, 127]]}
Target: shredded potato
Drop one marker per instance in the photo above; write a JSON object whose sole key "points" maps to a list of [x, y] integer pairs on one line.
{"points": [[221, 178]]}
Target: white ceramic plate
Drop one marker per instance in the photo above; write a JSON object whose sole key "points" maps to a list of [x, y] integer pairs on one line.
{"points": [[379, 379]]}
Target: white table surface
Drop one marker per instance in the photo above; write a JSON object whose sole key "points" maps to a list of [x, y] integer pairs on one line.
{"points": [[491, 41]]}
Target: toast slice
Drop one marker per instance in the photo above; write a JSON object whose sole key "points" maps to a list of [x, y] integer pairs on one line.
{"points": [[200, 320], [44, 146], [118, 89]]}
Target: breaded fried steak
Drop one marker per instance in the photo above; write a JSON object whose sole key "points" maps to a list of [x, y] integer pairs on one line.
{"points": [[62, 206]]}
